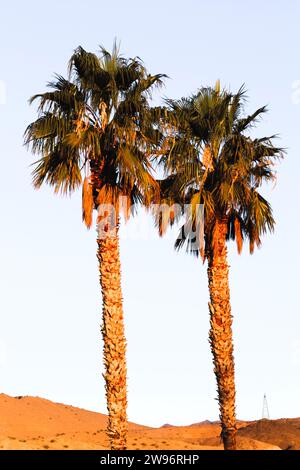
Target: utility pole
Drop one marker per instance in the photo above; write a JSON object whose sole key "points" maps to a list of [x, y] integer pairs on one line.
{"points": [[265, 410]]}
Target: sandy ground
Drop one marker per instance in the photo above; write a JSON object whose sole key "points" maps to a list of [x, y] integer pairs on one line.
{"points": [[36, 423]]}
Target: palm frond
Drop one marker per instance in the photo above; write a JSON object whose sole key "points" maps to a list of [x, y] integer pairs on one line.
{"points": [[87, 202]]}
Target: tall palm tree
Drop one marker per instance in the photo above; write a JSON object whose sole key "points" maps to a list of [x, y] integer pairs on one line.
{"points": [[94, 129], [211, 161]]}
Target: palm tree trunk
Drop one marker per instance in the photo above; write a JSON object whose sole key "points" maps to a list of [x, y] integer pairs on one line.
{"points": [[220, 335], [114, 339]]}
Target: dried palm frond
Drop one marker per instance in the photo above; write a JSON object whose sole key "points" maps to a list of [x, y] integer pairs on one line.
{"points": [[215, 237], [87, 202], [103, 114], [163, 219], [202, 242], [238, 235], [125, 207]]}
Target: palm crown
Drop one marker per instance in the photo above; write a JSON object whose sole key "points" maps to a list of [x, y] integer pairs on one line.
{"points": [[97, 122], [211, 159]]}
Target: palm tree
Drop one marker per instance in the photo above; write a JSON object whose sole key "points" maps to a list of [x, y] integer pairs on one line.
{"points": [[211, 162], [97, 123]]}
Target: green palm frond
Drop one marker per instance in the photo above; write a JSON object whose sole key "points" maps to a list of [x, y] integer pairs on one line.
{"points": [[60, 169]]}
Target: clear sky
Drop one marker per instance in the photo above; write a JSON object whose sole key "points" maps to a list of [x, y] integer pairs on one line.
{"points": [[50, 302]]}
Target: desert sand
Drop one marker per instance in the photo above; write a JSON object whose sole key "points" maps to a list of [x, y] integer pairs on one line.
{"points": [[35, 423]]}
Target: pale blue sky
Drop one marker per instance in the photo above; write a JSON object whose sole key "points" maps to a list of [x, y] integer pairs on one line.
{"points": [[50, 300]]}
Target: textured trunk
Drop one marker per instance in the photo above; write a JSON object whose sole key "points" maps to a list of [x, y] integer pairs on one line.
{"points": [[221, 333], [114, 339]]}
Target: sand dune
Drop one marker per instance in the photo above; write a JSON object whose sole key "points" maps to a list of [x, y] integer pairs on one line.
{"points": [[36, 423]]}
